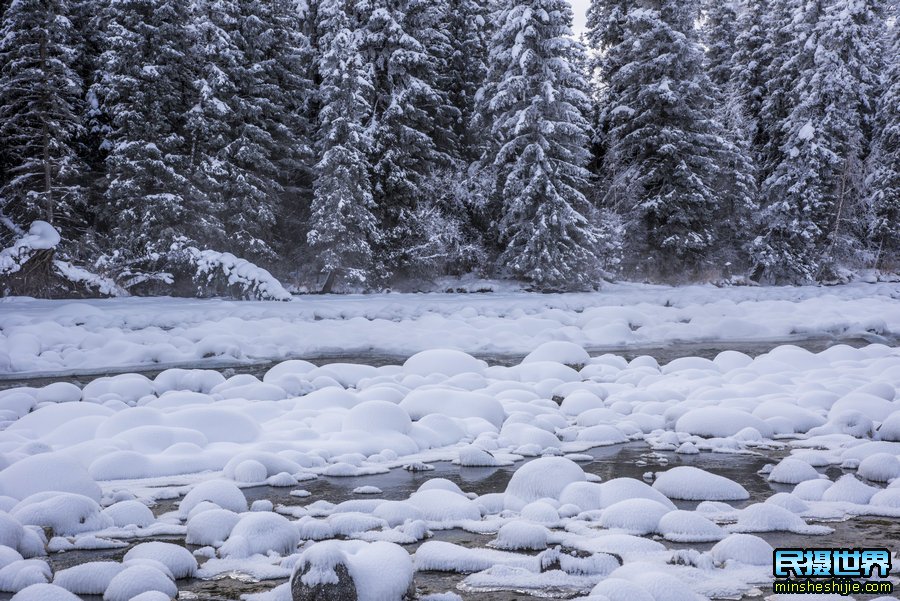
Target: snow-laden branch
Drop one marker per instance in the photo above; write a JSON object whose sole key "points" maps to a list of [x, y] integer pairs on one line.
{"points": [[41, 236], [252, 279]]}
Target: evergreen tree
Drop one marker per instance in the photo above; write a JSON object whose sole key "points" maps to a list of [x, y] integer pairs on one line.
{"points": [[343, 228], [884, 183], [467, 66], [146, 88], [41, 111], [410, 124], [720, 33], [673, 173], [537, 103], [749, 68], [813, 197], [250, 135]]}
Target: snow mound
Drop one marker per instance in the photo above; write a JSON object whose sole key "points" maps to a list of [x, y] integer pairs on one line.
{"points": [[623, 489], [720, 422], [848, 489], [23, 573], [693, 484], [793, 471], [137, 579], [64, 513], [261, 532], [438, 505], [879, 467], [743, 548], [521, 536], [542, 478], [130, 513], [179, 560], [558, 351], [211, 527], [634, 516], [377, 416], [472, 456], [443, 361], [689, 527], [367, 564], [44, 592], [90, 578], [47, 472], [454, 403], [768, 517], [620, 589]]}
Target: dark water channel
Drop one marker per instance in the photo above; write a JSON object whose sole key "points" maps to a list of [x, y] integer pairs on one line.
{"points": [[626, 460]]}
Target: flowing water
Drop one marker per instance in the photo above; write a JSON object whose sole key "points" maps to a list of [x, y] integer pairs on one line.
{"points": [[624, 460]]}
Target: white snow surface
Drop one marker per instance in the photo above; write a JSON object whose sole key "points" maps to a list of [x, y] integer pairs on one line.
{"points": [[87, 463], [58, 336]]}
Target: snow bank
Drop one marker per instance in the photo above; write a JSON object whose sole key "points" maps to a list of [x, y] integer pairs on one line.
{"points": [[131, 331]]}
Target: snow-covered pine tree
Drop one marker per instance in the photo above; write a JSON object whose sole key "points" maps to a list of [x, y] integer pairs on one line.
{"points": [[605, 30], [467, 67], [537, 101], [249, 135], [673, 173], [884, 182], [720, 32], [342, 226], [738, 187], [145, 87], [411, 125], [748, 79], [41, 113], [812, 198]]}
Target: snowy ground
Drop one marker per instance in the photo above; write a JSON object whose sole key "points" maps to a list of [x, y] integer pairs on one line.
{"points": [[175, 463], [76, 337]]}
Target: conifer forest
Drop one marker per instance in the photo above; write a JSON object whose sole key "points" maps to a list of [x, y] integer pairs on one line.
{"points": [[198, 147]]}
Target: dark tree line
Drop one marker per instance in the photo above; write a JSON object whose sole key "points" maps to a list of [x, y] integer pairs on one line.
{"points": [[356, 144]]}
